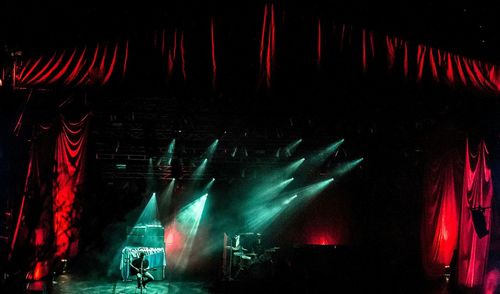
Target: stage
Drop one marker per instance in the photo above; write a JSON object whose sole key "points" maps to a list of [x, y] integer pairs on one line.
{"points": [[69, 284], [66, 284]]}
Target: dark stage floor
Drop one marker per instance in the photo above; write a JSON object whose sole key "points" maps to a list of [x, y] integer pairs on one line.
{"points": [[70, 284], [66, 284]]}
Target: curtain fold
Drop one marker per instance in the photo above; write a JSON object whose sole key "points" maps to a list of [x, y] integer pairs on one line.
{"points": [[439, 226], [69, 169], [475, 219]]}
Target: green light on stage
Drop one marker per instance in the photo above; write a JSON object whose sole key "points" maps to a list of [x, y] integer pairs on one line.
{"points": [[209, 185], [170, 151], [287, 201], [323, 154], [198, 172], [293, 166], [166, 196], [188, 221], [211, 149], [345, 167], [291, 147], [277, 188], [315, 189], [149, 214]]}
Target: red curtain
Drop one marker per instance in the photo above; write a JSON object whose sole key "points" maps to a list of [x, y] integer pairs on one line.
{"points": [[69, 170], [476, 200], [439, 226]]}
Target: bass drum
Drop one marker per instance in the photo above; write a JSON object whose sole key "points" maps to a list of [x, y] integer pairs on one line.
{"points": [[261, 270]]}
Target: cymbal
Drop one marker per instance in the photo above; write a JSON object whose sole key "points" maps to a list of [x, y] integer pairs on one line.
{"points": [[245, 257], [239, 254]]}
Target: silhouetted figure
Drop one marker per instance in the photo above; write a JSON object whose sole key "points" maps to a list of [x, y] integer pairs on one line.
{"points": [[140, 268]]}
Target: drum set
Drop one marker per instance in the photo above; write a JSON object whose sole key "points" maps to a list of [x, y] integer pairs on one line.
{"points": [[248, 260]]}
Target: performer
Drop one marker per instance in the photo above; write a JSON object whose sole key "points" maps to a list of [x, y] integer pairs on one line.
{"points": [[140, 268]]}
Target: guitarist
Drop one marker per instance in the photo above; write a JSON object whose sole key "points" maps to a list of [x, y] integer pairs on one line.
{"points": [[140, 268]]}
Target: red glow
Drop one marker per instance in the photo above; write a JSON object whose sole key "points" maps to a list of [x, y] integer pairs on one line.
{"points": [[262, 38], [174, 243], [477, 191], [492, 283], [173, 239], [372, 43], [449, 70], [46, 76], [77, 68], [112, 66], [273, 37], [321, 238], [183, 61], [391, 54], [439, 228], [63, 70], [103, 59], [268, 61], [96, 52], [364, 50], [420, 61], [460, 70], [40, 271], [433, 65], [41, 71], [21, 209], [214, 65], [70, 159], [125, 59], [39, 237], [406, 60]]}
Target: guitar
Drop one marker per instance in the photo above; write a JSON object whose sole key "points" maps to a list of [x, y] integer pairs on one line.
{"points": [[135, 270]]}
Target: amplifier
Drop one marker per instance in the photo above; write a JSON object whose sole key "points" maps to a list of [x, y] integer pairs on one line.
{"points": [[155, 230]]}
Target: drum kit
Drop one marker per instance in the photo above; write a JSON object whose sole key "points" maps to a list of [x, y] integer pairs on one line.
{"points": [[248, 256]]}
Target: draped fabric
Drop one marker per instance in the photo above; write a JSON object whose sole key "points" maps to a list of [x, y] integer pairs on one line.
{"points": [[171, 47], [70, 151], [98, 65], [439, 226], [267, 49], [476, 200], [77, 67]]}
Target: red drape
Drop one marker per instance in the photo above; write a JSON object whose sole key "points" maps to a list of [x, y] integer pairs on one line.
{"points": [[69, 174], [79, 67], [477, 192], [439, 226]]}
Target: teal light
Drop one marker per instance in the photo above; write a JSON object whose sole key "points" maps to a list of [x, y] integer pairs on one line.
{"points": [[345, 167], [188, 221], [211, 149], [149, 214], [170, 151], [261, 215], [209, 185], [287, 201], [198, 172], [290, 149], [323, 154], [316, 188], [166, 196]]}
